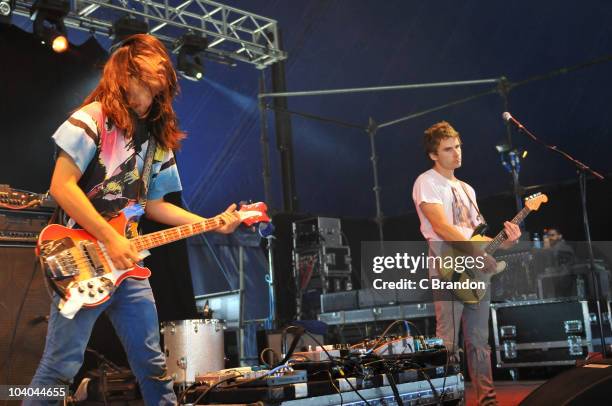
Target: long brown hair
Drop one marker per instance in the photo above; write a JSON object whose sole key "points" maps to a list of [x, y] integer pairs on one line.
{"points": [[111, 92]]}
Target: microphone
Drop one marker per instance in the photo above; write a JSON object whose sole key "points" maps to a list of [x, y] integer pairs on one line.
{"points": [[509, 119]]}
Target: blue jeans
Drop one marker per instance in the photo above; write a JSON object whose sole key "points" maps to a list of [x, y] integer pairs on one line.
{"points": [[132, 311]]}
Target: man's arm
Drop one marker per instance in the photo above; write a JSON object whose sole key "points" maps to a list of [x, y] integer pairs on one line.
{"points": [[167, 213], [435, 214], [66, 191]]}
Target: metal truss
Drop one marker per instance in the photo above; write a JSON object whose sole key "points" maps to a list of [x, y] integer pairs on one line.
{"points": [[233, 34]]}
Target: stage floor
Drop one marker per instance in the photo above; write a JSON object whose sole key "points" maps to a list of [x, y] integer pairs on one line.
{"points": [[509, 393]]}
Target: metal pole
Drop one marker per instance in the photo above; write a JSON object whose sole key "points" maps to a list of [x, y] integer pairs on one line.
{"points": [[264, 141], [380, 88], [284, 137], [438, 108], [594, 276], [241, 295], [270, 280], [504, 90], [372, 129]]}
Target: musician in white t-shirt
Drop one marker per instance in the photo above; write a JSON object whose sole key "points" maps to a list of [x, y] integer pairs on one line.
{"points": [[448, 212]]}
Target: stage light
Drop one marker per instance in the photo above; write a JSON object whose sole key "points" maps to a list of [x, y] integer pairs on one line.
{"points": [[502, 148], [524, 154], [59, 44], [48, 16], [6, 10], [125, 27], [190, 61]]}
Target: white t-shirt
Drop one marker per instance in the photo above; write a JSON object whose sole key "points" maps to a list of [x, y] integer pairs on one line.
{"points": [[432, 187]]}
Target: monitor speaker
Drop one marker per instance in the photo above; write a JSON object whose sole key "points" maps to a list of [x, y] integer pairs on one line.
{"points": [[588, 384]]}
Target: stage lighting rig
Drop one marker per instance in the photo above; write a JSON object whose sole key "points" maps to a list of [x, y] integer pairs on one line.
{"points": [[190, 61], [6, 10], [48, 17], [127, 26]]}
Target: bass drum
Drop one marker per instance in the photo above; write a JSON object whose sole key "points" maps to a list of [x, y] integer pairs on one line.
{"points": [[193, 348]]}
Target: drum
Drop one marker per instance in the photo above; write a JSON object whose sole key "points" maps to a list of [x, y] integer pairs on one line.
{"points": [[193, 348]]}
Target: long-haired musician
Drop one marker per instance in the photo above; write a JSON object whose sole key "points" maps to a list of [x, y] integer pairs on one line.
{"points": [[98, 174]]}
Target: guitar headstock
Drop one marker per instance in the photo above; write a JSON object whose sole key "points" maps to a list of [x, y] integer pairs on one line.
{"points": [[254, 213], [533, 202]]}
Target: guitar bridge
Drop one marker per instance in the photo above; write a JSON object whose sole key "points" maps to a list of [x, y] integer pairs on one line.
{"points": [[58, 259]]}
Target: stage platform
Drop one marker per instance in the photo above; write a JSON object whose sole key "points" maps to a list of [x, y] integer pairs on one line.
{"points": [[509, 393]]}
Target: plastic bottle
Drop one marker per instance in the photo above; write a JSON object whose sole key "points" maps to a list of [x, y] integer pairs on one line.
{"points": [[537, 241]]}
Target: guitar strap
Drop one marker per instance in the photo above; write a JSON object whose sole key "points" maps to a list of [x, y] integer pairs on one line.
{"points": [[145, 177], [482, 227]]}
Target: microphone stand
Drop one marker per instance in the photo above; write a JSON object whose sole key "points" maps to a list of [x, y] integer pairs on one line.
{"points": [[582, 170]]}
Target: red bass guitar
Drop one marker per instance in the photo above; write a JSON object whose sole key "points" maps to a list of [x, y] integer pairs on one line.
{"points": [[81, 271]]}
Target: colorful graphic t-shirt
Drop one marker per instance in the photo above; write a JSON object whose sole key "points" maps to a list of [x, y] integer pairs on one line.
{"points": [[111, 164]]}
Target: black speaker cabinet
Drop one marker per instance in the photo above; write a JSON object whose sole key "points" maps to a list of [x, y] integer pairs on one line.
{"points": [[24, 306], [589, 384]]}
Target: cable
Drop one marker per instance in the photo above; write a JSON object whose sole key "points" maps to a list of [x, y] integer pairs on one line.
{"points": [[433, 388], [275, 356], [270, 372], [384, 333], [184, 393], [357, 392], [331, 381], [342, 363], [443, 392], [332, 360], [211, 387], [393, 385]]}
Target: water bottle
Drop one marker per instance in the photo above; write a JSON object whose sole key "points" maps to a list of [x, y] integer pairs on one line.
{"points": [[537, 241]]}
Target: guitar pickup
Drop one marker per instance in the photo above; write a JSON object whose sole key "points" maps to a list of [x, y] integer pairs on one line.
{"points": [[91, 250]]}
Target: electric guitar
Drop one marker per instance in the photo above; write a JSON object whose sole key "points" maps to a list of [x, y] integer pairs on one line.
{"points": [[450, 274], [81, 271]]}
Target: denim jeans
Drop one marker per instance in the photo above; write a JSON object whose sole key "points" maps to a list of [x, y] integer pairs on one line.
{"points": [[131, 309], [451, 314]]}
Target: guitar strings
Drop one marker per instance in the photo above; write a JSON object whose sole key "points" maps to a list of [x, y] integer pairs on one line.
{"points": [[163, 236]]}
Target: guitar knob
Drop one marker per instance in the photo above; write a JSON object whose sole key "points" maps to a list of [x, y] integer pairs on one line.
{"points": [[92, 294], [90, 285], [81, 290], [100, 290]]}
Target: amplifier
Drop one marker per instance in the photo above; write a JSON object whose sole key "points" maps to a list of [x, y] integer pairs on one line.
{"points": [[11, 198], [22, 226], [317, 231]]}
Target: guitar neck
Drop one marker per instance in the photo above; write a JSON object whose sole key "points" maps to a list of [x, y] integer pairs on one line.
{"points": [[501, 237], [156, 239]]}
